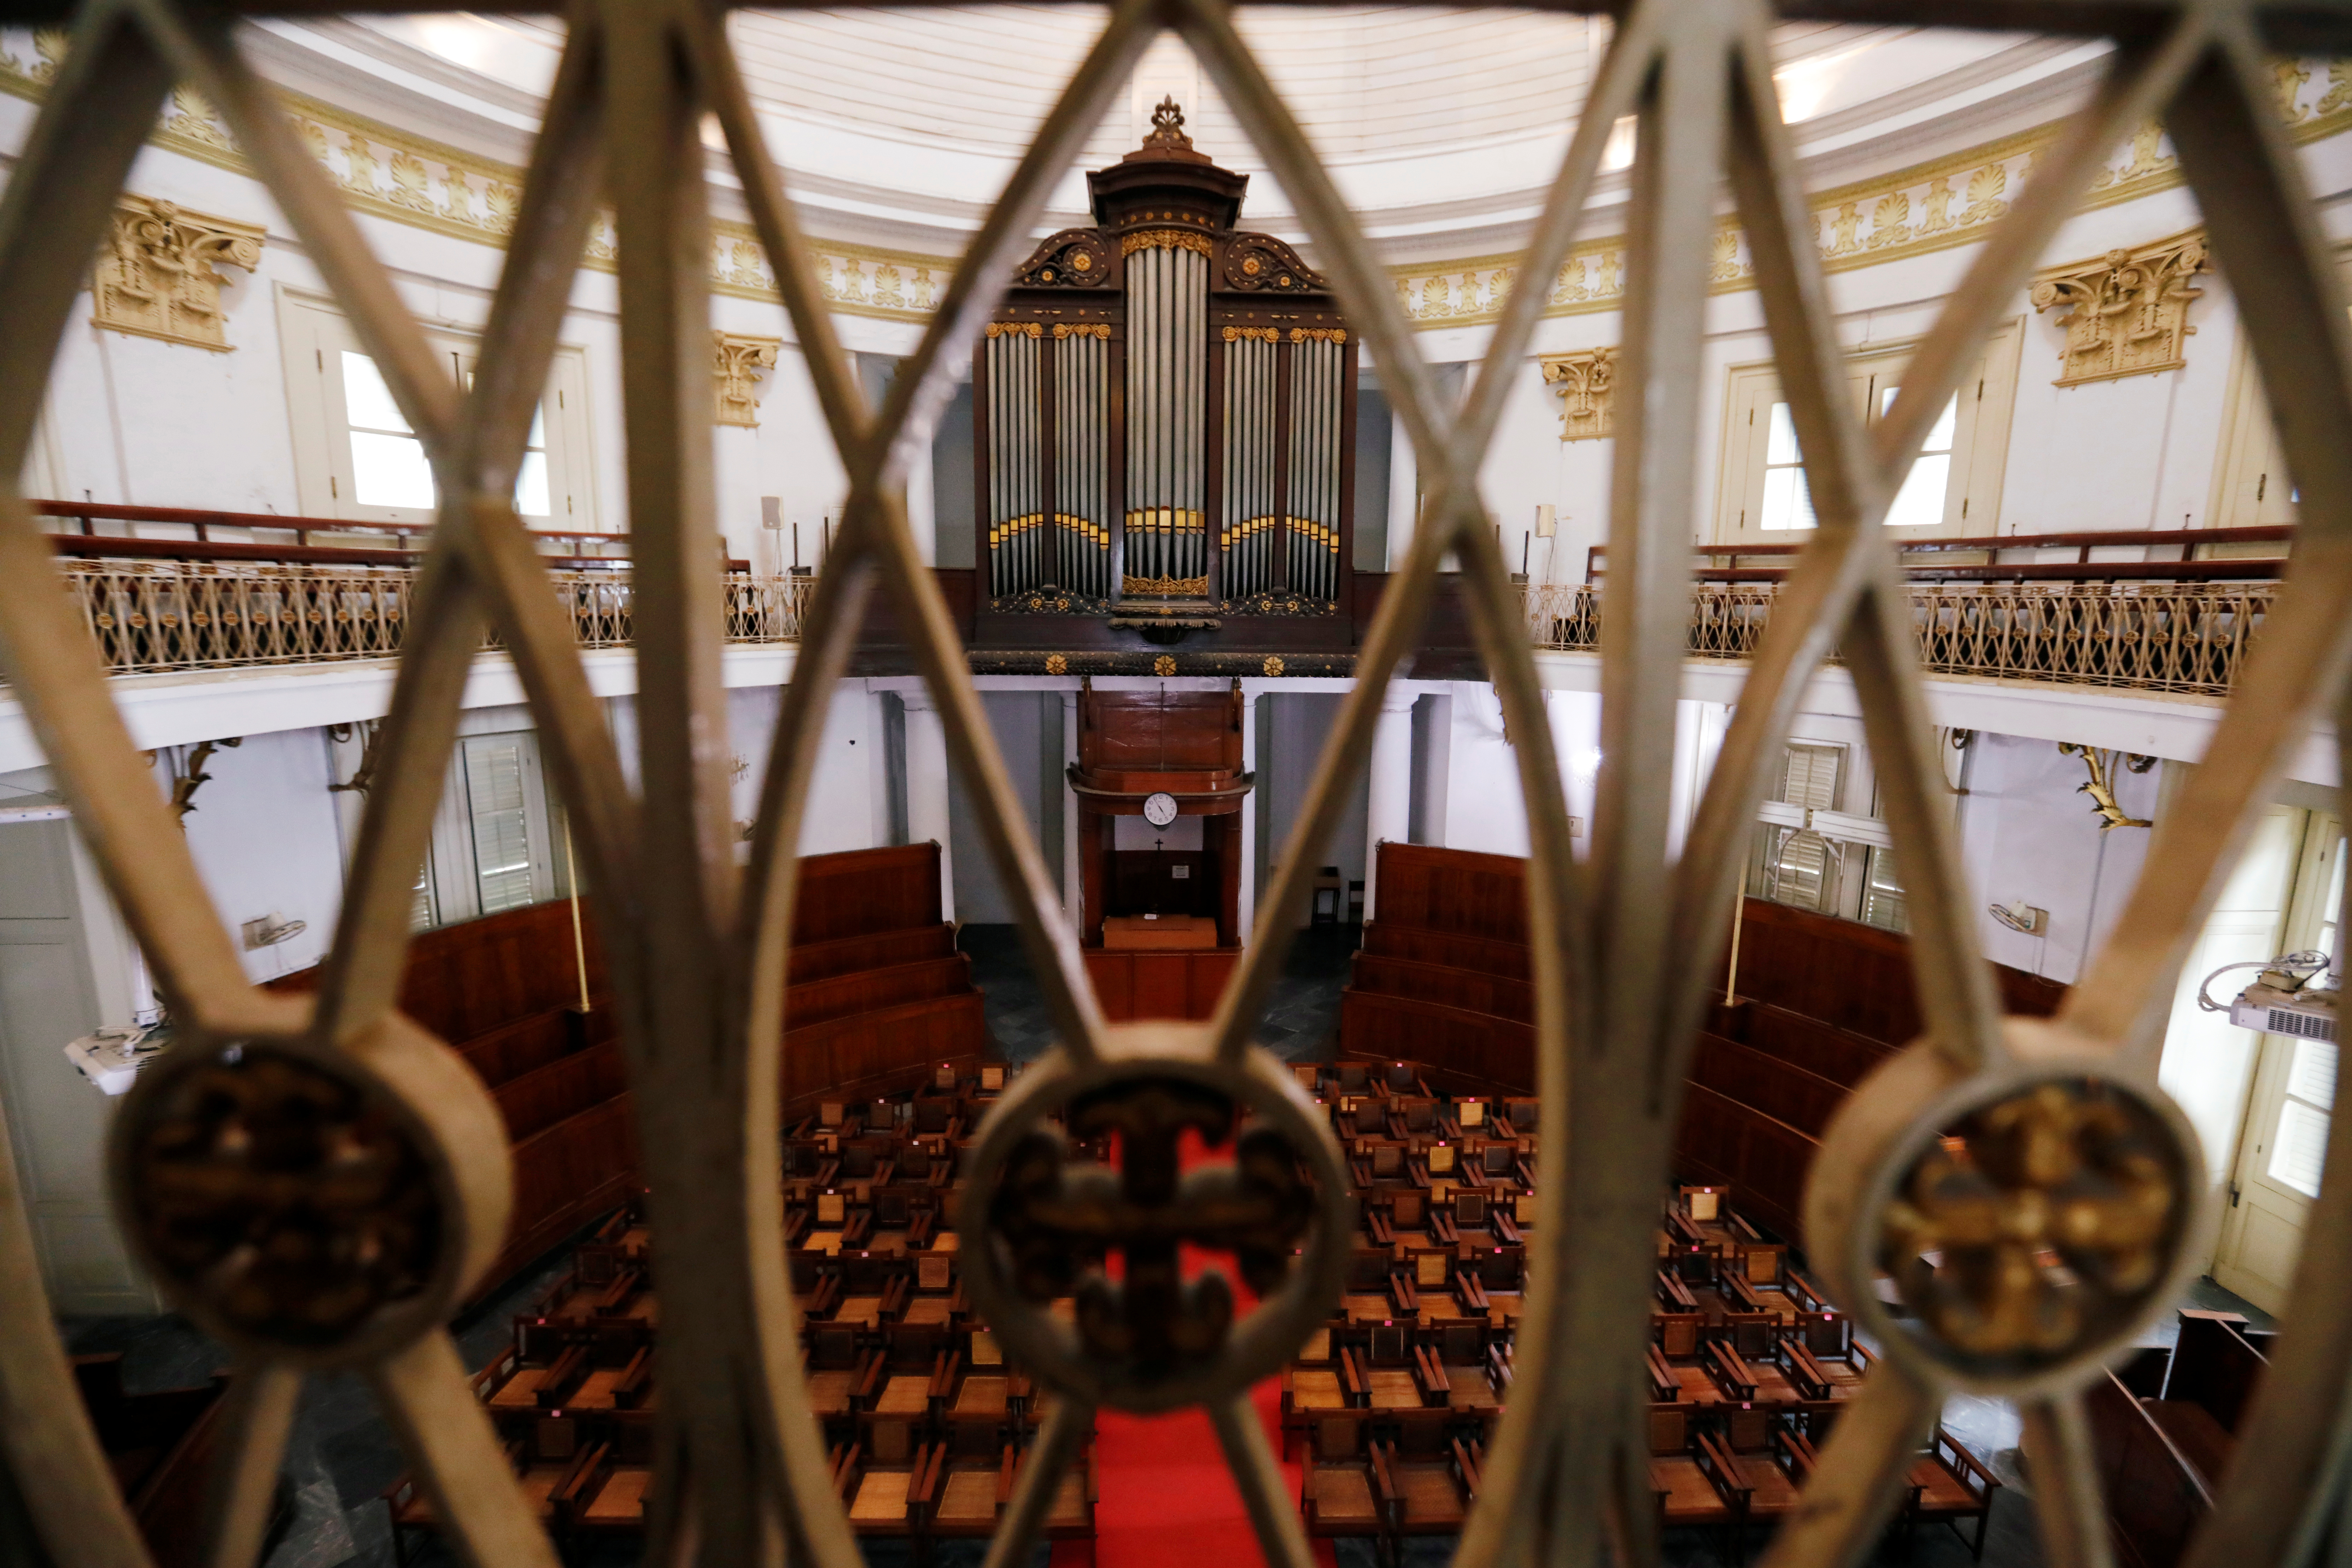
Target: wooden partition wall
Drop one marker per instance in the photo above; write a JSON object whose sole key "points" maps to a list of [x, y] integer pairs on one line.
{"points": [[1442, 981], [877, 996], [504, 991]]}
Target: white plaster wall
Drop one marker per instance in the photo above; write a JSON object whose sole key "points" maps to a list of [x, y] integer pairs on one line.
{"points": [[1485, 810], [2028, 838], [1298, 730], [265, 838]]}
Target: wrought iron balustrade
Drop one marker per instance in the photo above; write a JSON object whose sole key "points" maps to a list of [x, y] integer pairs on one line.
{"points": [[151, 616], [2186, 638]]}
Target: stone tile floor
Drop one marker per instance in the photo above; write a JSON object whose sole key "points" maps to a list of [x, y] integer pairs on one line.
{"points": [[1301, 1022]]}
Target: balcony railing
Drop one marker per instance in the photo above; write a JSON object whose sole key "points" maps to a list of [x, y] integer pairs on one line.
{"points": [[2187, 637], [156, 615]]}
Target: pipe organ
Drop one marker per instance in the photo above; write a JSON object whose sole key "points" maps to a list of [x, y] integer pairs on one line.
{"points": [[1165, 409]]}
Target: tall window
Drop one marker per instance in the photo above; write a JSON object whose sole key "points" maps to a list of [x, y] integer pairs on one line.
{"points": [[1799, 864], [356, 457], [1953, 488], [498, 840]]}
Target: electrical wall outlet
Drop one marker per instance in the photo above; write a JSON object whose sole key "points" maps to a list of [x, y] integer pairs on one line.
{"points": [[270, 931], [2023, 917]]}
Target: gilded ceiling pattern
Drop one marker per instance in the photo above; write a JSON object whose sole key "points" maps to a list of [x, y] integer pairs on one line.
{"points": [[1930, 206]]}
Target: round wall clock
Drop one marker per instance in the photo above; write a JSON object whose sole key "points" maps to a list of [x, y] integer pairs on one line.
{"points": [[1159, 810]]}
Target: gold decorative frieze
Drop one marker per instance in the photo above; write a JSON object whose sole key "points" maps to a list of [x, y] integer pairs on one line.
{"points": [[1083, 329], [1017, 328], [739, 362], [157, 272], [1906, 212], [1165, 239], [1252, 335], [2127, 311], [1318, 334], [1587, 383]]}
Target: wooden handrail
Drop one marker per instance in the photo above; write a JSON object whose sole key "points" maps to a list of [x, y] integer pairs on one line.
{"points": [[2083, 541], [201, 519], [122, 547]]}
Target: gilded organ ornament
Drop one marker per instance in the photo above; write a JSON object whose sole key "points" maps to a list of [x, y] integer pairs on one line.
{"points": [[1587, 383], [739, 362], [157, 275], [2126, 313]]}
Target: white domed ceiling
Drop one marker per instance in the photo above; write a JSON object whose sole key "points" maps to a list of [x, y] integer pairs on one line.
{"points": [[1444, 127]]}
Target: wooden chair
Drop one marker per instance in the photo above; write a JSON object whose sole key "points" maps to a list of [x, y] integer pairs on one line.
{"points": [[1772, 1471], [1692, 1475], [838, 1365], [975, 1483], [888, 1498], [1344, 1487], [1949, 1484], [1071, 1515], [1432, 1477], [609, 1496], [1459, 1346]]}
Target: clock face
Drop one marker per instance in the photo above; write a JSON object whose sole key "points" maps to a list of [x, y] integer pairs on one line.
{"points": [[1161, 809]]}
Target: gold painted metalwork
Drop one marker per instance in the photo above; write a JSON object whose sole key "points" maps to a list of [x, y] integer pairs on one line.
{"points": [[2101, 786], [696, 943], [2035, 1223], [1165, 239], [1082, 329]]}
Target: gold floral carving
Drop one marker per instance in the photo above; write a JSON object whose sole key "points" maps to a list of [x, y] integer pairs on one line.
{"points": [[1318, 334], [1273, 665], [2051, 1214], [1164, 239], [156, 274], [1166, 664], [1092, 329], [739, 362], [1587, 381], [1057, 664], [1017, 328], [1252, 335], [2126, 313]]}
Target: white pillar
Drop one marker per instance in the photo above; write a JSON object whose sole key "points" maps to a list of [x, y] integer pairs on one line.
{"points": [[1388, 784], [1404, 497], [927, 814], [1074, 886], [1245, 905]]}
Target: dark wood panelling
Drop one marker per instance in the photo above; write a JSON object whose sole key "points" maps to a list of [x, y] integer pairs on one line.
{"points": [[862, 892], [2155, 1499], [892, 1051], [539, 1099], [467, 980], [1452, 986], [1460, 1050], [873, 990], [1804, 1101], [1762, 1159], [813, 961], [1160, 984], [566, 1176], [1503, 960], [1823, 1049], [1452, 891], [1159, 732], [1852, 976]]}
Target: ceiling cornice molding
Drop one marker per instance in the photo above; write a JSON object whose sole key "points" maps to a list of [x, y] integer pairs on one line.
{"points": [[394, 173]]}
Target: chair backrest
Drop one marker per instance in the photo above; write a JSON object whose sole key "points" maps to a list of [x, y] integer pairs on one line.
{"points": [[1308, 1075], [1669, 1428], [1420, 1115], [596, 1265], [913, 1345], [1497, 1159], [832, 1208], [1441, 1157], [1421, 1434], [633, 1437], [1354, 1078], [1677, 1333], [1338, 1437], [890, 1439], [829, 1113], [1704, 1204], [1471, 1113], [1407, 1208], [1402, 1075], [1371, 1119], [1459, 1343], [933, 1114], [1430, 1269], [1469, 1207], [1752, 1334], [1389, 1343], [1523, 1114], [893, 1207], [992, 1080], [934, 1271], [554, 1437], [985, 1351], [880, 1115], [833, 1347]]}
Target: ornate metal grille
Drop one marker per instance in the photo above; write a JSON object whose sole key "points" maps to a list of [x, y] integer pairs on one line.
{"points": [[697, 946]]}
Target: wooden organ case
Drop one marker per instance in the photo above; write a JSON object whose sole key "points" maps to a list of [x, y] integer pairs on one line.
{"points": [[1165, 417]]}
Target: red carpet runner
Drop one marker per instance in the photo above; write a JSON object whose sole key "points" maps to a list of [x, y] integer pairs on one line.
{"points": [[1167, 1499]]}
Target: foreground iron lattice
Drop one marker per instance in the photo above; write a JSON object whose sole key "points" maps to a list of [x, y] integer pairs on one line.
{"points": [[697, 946]]}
